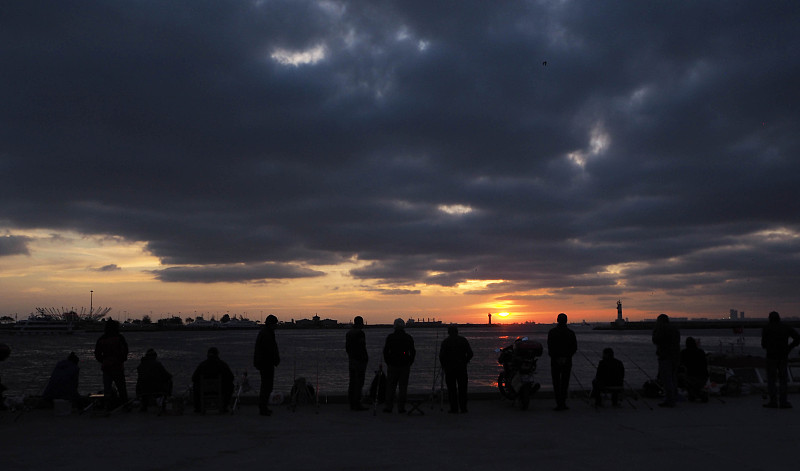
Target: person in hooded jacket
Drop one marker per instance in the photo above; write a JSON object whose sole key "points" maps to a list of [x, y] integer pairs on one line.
{"points": [[454, 355], [399, 354], [111, 351], [265, 358]]}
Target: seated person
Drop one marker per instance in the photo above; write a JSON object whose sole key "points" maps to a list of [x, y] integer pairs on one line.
{"points": [[63, 382], [153, 380], [693, 371], [213, 368], [610, 376]]}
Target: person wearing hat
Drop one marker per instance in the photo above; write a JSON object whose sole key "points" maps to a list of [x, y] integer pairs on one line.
{"points": [[153, 380], [399, 354], [265, 359], [213, 368], [357, 357]]}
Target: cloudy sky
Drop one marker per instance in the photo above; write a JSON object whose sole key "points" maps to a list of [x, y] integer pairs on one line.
{"points": [[407, 158]]}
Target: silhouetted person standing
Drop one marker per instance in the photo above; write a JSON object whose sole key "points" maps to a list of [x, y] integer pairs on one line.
{"points": [[213, 368], [610, 376], [265, 359], [668, 348], [454, 355], [561, 346], [775, 340], [693, 371], [399, 354], [153, 380], [357, 358], [111, 350], [5, 351]]}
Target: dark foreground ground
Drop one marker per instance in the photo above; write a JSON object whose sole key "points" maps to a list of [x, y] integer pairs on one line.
{"points": [[738, 434]]}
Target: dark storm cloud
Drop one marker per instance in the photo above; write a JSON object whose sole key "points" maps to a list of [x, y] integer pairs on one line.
{"points": [[659, 139], [14, 245], [234, 273]]}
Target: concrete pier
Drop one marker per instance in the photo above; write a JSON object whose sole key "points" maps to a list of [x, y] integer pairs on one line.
{"points": [[738, 434]]}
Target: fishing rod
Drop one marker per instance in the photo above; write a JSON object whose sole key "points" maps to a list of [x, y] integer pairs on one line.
{"points": [[376, 382], [660, 388], [586, 399], [435, 375], [316, 392]]}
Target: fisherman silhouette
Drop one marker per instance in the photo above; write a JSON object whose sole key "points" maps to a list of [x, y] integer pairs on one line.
{"points": [[399, 354], [265, 359], [561, 346], [775, 340], [111, 350], [693, 371], [610, 376], [357, 358], [454, 355], [213, 368], [5, 351], [668, 345], [63, 383], [153, 380]]}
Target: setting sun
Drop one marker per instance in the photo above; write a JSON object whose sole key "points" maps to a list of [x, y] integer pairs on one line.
{"points": [[502, 314]]}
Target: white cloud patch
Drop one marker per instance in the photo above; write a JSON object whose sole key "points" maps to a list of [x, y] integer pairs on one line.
{"points": [[455, 209], [298, 58]]}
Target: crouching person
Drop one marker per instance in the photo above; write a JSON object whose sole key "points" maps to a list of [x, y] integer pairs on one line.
{"points": [[153, 381], [63, 383], [213, 368], [609, 378]]}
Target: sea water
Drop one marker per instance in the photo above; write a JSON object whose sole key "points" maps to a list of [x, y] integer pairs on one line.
{"points": [[319, 356]]}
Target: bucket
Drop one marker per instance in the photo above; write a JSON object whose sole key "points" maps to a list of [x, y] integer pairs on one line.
{"points": [[61, 407]]}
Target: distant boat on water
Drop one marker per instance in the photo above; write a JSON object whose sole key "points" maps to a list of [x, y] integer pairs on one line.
{"points": [[41, 325]]}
